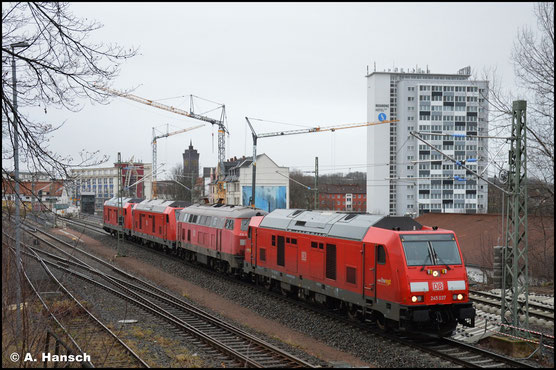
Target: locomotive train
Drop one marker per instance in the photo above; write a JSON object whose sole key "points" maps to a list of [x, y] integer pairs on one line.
{"points": [[402, 274]]}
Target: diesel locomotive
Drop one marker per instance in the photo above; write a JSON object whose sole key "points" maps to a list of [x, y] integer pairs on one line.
{"points": [[402, 274]]}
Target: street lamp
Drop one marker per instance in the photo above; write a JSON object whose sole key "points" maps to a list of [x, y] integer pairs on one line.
{"points": [[21, 44]]}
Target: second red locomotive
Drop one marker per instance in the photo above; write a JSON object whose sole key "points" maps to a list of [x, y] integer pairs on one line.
{"points": [[215, 235], [154, 222]]}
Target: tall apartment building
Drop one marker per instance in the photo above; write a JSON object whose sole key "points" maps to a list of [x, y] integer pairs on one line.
{"points": [[406, 176]]}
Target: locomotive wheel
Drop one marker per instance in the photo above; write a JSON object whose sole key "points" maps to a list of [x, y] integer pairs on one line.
{"points": [[382, 323], [223, 267], [446, 330], [267, 283], [352, 312]]}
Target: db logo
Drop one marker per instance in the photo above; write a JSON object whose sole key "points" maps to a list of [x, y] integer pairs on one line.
{"points": [[437, 285]]}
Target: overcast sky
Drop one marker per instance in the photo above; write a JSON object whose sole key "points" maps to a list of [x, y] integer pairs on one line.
{"points": [[302, 64]]}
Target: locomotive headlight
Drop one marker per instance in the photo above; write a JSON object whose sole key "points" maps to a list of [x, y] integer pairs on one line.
{"points": [[417, 298], [414, 299], [435, 273], [460, 297]]}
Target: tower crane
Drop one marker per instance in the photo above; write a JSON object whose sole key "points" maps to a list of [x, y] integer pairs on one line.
{"points": [[295, 132], [155, 137], [222, 130]]}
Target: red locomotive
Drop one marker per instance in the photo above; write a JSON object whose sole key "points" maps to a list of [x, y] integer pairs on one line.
{"points": [[391, 269], [404, 275], [215, 235], [154, 222], [111, 215]]}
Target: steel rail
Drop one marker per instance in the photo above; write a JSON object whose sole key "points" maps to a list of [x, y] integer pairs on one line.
{"points": [[169, 300], [90, 316], [167, 316], [540, 307]]}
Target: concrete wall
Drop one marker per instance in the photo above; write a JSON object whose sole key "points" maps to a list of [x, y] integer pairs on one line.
{"points": [[378, 101]]}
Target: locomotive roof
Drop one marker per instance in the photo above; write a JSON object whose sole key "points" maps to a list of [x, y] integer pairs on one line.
{"points": [[340, 225], [158, 205], [229, 211], [114, 201]]}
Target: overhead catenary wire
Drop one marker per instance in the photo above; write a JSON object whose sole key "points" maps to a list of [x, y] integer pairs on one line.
{"points": [[457, 162], [462, 135]]}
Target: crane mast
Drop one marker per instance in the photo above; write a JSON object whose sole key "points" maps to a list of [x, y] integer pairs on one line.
{"points": [[222, 131]]}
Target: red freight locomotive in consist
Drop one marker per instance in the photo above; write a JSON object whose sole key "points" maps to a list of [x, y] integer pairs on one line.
{"points": [[111, 215], [154, 222], [215, 235], [391, 269]]}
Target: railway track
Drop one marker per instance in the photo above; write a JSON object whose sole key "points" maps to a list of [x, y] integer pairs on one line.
{"points": [[457, 352], [237, 347], [87, 225], [86, 333], [543, 312], [463, 354]]}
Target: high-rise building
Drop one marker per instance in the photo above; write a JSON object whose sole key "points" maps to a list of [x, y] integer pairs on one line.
{"points": [[405, 176], [191, 162]]}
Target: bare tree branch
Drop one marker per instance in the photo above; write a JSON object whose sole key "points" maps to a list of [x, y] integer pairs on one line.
{"points": [[533, 60], [59, 68]]}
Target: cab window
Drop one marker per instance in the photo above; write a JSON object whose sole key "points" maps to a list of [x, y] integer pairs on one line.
{"points": [[229, 224], [244, 224], [380, 254]]}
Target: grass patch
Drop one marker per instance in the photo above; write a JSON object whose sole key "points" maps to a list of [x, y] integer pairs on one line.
{"points": [[141, 332], [186, 359], [66, 308]]}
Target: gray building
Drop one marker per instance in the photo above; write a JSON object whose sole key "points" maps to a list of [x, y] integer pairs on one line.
{"points": [[450, 112]]}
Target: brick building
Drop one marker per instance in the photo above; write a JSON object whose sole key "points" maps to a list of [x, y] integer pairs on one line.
{"points": [[351, 197]]}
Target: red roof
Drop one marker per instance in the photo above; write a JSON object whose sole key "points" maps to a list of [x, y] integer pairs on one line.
{"points": [[479, 233]]}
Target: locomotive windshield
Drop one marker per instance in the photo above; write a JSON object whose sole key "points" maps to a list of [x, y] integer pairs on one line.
{"points": [[435, 249]]}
